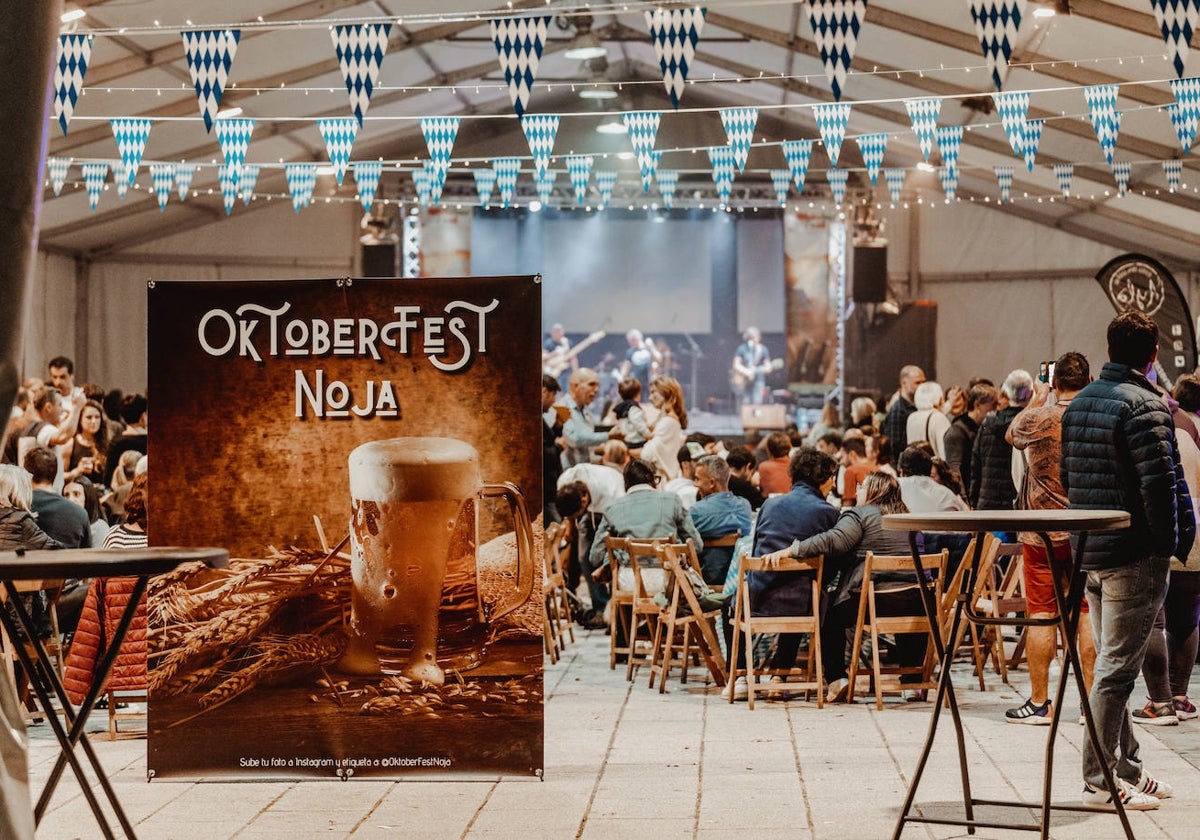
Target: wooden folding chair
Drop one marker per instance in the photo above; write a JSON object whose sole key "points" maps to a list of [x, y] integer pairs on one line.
{"points": [[727, 541], [981, 639], [746, 624], [869, 620], [1008, 598], [556, 613], [634, 612], [681, 615]]}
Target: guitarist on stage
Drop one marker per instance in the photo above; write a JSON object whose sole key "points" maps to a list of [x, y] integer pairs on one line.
{"points": [[751, 363], [555, 348]]}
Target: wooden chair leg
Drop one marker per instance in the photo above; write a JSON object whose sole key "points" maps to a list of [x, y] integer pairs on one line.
{"points": [[875, 654]]}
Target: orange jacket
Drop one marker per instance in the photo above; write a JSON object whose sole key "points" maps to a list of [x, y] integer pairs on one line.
{"points": [[106, 600]]}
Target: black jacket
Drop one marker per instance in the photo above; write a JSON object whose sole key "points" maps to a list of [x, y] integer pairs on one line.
{"points": [[1119, 453], [19, 529], [991, 485], [958, 443]]}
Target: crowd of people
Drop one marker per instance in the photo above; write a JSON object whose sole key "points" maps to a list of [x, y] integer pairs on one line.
{"points": [[1118, 440], [73, 474]]}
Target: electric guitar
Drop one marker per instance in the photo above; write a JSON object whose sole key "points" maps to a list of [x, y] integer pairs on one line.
{"points": [[558, 361], [742, 374]]}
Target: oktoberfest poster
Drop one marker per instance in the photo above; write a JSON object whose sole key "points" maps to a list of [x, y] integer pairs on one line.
{"points": [[367, 450]]}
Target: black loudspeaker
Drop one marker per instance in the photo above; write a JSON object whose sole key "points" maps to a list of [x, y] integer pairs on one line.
{"points": [[379, 260], [869, 274], [877, 347]]}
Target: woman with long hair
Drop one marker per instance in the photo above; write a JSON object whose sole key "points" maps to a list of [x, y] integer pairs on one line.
{"points": [[667, 432], [85, 452], [859, 529]]}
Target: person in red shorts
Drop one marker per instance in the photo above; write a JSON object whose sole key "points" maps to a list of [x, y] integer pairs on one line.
{"points": [[1037, 433]]}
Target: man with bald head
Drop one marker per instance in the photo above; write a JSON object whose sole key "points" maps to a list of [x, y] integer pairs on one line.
{"points": [[579, 430], [895, 425]]}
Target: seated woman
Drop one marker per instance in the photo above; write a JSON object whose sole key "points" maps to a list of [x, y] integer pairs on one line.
{"points": [[661, 450], [859, 529]]}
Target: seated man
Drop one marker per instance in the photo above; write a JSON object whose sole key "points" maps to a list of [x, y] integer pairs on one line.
{"points": [[741, 477], [574, 504], [924, 495], [718, 513], [685, 484]]}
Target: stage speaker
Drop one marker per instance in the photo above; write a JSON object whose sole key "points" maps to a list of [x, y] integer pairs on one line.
{"points": [[379, 260], [869, 274], [760, 416], [877, 347]]}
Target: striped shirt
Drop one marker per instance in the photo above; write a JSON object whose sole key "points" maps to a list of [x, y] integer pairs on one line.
{"points": [[124, 537]]}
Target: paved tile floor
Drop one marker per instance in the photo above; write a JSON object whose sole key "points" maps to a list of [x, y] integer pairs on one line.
{"points": [[622, 761]]}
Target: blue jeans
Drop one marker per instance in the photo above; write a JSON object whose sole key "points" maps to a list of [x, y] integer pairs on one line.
{"points": [[1123, 603]]}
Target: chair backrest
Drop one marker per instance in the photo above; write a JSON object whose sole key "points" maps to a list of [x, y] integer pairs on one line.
{"points": [[638, 552], [986, 558], [553, 537], [814, 564], [677, 559], [933, 564], [729, 540]]}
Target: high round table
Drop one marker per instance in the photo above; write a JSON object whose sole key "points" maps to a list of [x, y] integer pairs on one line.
{"points": [[83, 563], [979, 523]]}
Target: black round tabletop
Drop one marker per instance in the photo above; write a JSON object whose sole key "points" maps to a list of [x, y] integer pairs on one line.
{"points": [[1008, 520], [89, 562]]}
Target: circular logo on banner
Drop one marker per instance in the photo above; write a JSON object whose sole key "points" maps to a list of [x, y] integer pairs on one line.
{"points": [[1137, 285]]}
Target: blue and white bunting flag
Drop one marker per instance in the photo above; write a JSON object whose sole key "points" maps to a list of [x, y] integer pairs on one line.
{"points": [[131, 135], [338, 134], [1033, 138], [798, 153], [93, 180], [1184, 123], [184, 173], [120, 178], [1101, 98], [949, 141], [1187, 93], [895, 183], [440, 133], [540, 131], [675, 33], [948, 175], [924, 116], [366, 178], [642, 128], [229, 187], [543, 182], [519, 44], [781, 179], [1177, 21], [301, 181], [837, 184], [74, 53], [579, 168], [1004, 177], [1121, 171], [1173, 169], [210, 54], [652, 170], [832, 118], [485, 182], [721, 158], [872, 147], [162, 177], [248, 182], [668, 180], [435, 176], [234, 137], [1012, 108], [606, 182], [422, 183], [996, 24], [360, 50], [507, 170], [836, 25], [57, 168], [739, 128], [1106, 122], [1062, 174]]}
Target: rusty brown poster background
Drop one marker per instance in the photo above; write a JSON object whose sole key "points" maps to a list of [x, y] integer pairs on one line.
{"points": [[259, 391]]}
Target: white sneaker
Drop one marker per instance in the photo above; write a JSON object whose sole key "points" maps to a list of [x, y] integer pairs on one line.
{"points": [[1150, 786], [1131, 798], [737, 688]]}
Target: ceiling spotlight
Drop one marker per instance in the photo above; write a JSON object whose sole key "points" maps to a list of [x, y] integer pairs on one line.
{"points": [[1043, 12], [535, 206], [326, 170], [926, 167], [597, 93], [625, 155], [73, 15], [612, 127], [585, 46], [228, 113]]}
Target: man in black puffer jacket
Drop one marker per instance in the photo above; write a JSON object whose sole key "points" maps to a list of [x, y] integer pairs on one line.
{"points": [[1118, 452]]}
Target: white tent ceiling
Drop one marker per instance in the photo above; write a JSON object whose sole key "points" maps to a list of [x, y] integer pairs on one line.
{"points": [[441, 61]]}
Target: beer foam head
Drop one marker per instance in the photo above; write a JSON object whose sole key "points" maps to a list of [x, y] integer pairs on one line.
{"points": [[414, 469]]}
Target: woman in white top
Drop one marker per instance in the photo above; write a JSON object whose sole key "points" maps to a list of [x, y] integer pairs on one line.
{"points": [[662, 449], [928, 422]]}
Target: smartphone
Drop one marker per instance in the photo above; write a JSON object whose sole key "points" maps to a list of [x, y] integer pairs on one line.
{"points": [[1046, 372]]}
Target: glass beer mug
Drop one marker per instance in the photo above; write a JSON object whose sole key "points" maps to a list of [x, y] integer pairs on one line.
{"points": [[416, 605]]}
